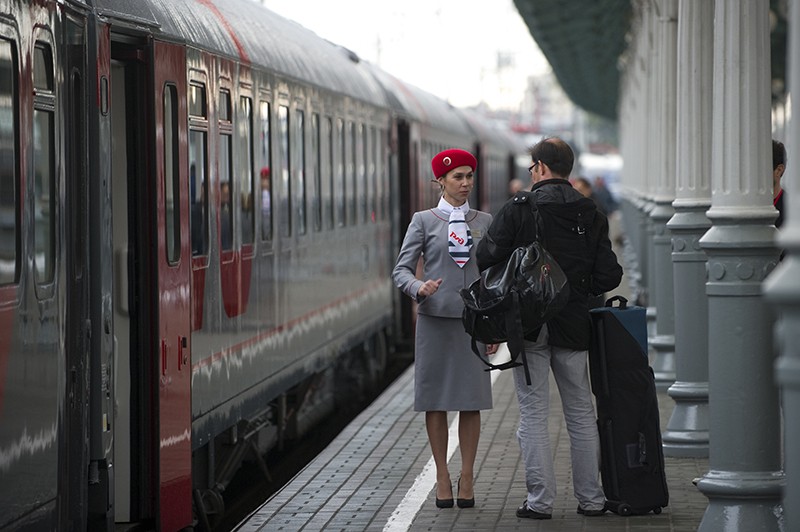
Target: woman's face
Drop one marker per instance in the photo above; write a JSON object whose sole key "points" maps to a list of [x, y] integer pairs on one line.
{"points": [[457, 185]]}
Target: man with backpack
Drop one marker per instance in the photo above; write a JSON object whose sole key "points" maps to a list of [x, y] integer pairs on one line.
{"points": [[576, 234]]}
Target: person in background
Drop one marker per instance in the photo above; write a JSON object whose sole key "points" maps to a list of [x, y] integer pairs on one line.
{"points": [[448, 377], [576, 234], [583, 186], [778, 168], [515, 185]]}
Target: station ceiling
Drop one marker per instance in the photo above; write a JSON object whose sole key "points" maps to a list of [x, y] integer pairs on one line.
{"points": [[584, 39]]}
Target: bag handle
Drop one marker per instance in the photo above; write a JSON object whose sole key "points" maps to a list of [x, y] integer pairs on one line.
{"points": [[623, 303]]}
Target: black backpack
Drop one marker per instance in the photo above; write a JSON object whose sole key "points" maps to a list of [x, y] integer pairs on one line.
{"points": [[513, 299]]}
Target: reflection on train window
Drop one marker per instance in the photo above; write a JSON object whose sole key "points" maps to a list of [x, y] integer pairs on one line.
{"points": [[300, 172], [328, 172], [172, 196], [225, 171], [198, 169], [266, 186], [44, 216], [9, 177], [284, 191], [316, 178], [246, 164], [339, 181]]}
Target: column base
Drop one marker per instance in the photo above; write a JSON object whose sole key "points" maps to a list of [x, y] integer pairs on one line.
{"points": [[687, 431], [742, 501], [663, 360]]}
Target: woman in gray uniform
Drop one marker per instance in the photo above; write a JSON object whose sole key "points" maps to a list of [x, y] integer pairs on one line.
{"points": [[448, 376]]}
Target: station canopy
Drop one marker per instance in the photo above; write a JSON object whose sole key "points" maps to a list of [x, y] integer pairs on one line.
{"points": [[584, 40]]}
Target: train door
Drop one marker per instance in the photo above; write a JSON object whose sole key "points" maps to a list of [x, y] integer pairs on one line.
{"points": [[173, 286], [74, 451], [151, 271]]}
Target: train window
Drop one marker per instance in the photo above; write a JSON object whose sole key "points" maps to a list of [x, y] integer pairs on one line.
{"points": [[246, 160], [9, 177], [284, 192], [339, 181], [300, 172], [316, 178], [266, 162], [373, 172], [172, 203], [224, 164], [198, 169], [328, 172], [351, 173], [44, 148], [363, 189], [197, 100]]}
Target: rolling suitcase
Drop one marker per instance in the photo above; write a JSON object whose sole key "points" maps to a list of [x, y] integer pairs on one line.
{"points": [[632, 466]]}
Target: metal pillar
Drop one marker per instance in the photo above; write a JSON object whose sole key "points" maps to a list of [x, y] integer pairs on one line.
{"points": [[782, 288], [662, 342], [745, 479], [687, 430]]}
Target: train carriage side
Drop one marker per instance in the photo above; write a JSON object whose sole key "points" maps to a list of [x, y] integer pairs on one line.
{"points": [[45, 326], [266, 204]]}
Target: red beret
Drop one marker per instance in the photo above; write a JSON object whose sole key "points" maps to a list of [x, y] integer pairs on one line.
{"points": [[445, 161]]}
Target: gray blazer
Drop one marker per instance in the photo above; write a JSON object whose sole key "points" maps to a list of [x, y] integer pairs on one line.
{"points": [[427, 237]]}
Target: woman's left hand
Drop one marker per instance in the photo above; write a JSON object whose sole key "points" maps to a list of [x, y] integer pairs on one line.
{"points": [[491, 348]]}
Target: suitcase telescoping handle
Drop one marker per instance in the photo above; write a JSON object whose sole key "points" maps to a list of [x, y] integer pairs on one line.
{"points": [[623, 303]]}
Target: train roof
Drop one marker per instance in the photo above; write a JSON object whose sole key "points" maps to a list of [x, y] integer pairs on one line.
{"points": [[248, 32], [419, 105]]}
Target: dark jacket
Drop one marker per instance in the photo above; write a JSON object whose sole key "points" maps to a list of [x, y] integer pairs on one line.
{"points": [[575, 233]]}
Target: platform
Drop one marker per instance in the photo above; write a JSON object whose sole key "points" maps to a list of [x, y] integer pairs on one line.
{"points": [[378, 475]]}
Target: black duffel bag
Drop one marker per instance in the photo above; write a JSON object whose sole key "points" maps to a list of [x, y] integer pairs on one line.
{"points": [[513, 299]]}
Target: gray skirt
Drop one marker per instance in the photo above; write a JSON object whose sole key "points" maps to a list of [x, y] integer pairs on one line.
{"points": [[448, 376]]}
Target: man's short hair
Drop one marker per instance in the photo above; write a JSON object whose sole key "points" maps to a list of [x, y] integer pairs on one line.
{"points": [[778, 154], [556, 154]]}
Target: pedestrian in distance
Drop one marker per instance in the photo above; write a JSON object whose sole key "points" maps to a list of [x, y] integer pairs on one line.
{"points": [[572, 229], [448, 377]]}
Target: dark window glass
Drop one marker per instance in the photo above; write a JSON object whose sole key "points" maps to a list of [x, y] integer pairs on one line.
{"points": [[9, 177], [197, 100], [339, 181], [352, 151], [172, 197], [328, 173], [246, 164], [44, 174], [225, 163], [316, 177], [264, 174], [198, 188], [300, 172], [285, 191]]}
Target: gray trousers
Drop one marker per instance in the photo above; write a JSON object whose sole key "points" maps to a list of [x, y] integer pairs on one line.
{"points": [[570, 370]]}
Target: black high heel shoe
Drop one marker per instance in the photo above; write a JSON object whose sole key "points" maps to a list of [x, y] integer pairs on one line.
{"points": [[445, 503], [464, 503]]}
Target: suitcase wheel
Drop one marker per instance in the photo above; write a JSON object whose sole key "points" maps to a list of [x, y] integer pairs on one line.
{"points": [[624, 509], [657, 510]]}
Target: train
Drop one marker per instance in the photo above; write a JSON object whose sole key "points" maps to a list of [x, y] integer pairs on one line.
{"points": [[200, 206]]}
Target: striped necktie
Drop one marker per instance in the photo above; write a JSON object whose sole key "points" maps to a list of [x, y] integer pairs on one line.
{"points": [[459, 238]]}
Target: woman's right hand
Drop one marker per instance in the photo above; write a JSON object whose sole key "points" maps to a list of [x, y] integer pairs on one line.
{"points": [[429, 287]]}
